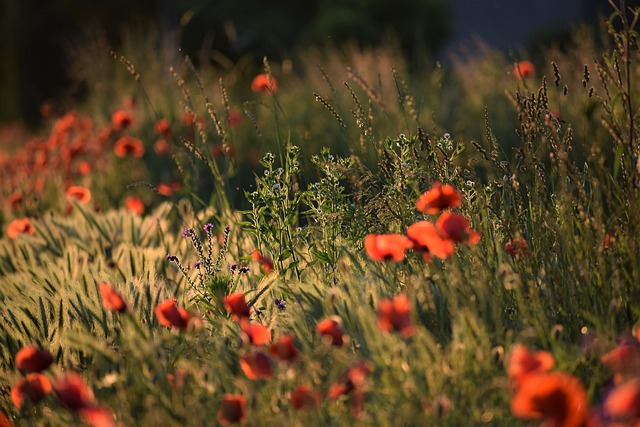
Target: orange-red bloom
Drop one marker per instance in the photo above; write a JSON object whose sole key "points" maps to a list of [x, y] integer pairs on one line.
{"points": [[237, 305], [121, 119], [426, 239], [517, 247], [331, 330], [134, 204], [73, 392], [437, 198], [623, 360], [18, 227], [98, 416], [163, 128], [256, 365], [523, 362], [5, 421], [129, 146], [265, 262], [382, 247], [623, 403], [456, 227], [264, 83], [284, 348], [161, 146], [111, 299], [33, 359], [524, 69], [255, 333], [305, 398], [172, 316], [556, 397], [32, 388], [79, 193], [232, 409], [393, 315], [352, 383]]}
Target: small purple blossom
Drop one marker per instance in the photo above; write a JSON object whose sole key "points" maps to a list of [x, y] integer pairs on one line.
{"points": [[208, 227], [197, 264], [170, 257], [233, 267], [280, 303], [185, 232]]}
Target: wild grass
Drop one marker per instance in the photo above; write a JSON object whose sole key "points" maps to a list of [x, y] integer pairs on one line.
{"points": [[278, 207]]}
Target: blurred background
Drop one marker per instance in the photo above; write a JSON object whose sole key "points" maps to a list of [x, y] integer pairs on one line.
{"points": [[34, 51]]}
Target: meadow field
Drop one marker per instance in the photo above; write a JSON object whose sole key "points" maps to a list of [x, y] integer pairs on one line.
{"points": [[336, 238]]}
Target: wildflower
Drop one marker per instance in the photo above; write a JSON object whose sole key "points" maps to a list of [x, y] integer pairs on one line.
{"points": [[393, 315], [456, 227], [134, 205], [208, 227], [15, 199], [256, 365], [623, 360], [18, 227], [186, 232], [305, 398], [264, 83], [235, 118], [524, 69], [237, 305], [168, 189], [73, 392], [233, 267], [265, 262], [128, 146], [121, 119], [84, 168], [255, 333], [98, 416], [523, 362], [197, 264], [32, 388], [232, 409], [623, 402], [516, 247], [556, 397], [437, 198], [79, 193], [33, 359], [172, 316], [330, 329], [111, 299], [5, 421], [161, 146], [281, 304], [352, 383], [382, 247], [426, 239], [171, 258], [284, 349], [188, 119], [163, 128]]}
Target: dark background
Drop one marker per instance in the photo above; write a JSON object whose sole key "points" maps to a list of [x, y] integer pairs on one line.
{"points": [[34, 65]]}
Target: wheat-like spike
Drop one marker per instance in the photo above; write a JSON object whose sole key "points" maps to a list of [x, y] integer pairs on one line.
{"points": [[326, 78], [225, 96], [332, 110], [255, 123], [364, 85], [207, 102]]}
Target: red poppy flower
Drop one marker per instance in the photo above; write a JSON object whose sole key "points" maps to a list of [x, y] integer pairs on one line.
{"points": [[426, 239], [456, 227], [264, 83], [121, 119], [265, 262], [235, 118], [304, 398], [167, 190], [393, 315], [256, 365], [33, 359], [79, 193], [5, 421], [98, 416], [556, 397], [523, 362], [255, 333], [172, 316], [73, 392], [188, 119], [623, 360], [237, 305], [232, 409], [111, 299], [517, 247], [15, 199], [18, 227], [437, 198], [134, 205], [352, 384], [623, 402], [129, 146], [163, 128], [331, 330], [84, 168], [161, 146], [32, 388], [284, 349], [382, 247], [524, 69]]}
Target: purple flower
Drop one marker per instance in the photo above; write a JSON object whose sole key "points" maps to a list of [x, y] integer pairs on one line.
{"points": [[280, 303], [208, 227], [170, 257], [186, 232], [197, 264], [233, 266], [244, 269]]}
